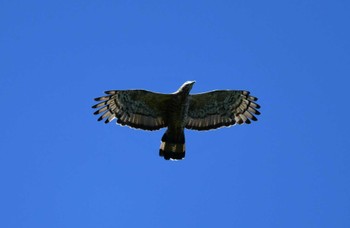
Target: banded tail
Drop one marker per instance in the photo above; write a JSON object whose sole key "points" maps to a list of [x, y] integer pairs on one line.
{"points": [[172, 146]]}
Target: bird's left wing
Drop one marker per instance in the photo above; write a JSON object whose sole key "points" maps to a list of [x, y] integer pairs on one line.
{"points": [[221, 108], [136, 108]]}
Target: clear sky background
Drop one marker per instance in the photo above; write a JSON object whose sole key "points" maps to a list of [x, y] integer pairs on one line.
{"points": [[59, 167]]}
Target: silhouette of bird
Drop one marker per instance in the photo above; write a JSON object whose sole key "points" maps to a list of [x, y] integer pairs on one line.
{"points": [[148, 110]]}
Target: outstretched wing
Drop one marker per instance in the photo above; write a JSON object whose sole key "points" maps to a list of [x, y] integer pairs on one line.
{"points": [[221, 108], [136, 108]]}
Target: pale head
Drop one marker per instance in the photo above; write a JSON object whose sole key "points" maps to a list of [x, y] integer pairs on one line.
{"points": [[186, 87]]}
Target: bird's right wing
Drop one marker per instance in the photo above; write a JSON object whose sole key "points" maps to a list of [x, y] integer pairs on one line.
{"points": [[136, 108], [221, 108]]}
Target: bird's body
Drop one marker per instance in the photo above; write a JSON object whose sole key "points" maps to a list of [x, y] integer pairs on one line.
{"points": [[151, 111], [173, 140]]}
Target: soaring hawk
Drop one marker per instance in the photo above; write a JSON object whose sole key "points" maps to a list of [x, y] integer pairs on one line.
{"points": [[148, 110]]}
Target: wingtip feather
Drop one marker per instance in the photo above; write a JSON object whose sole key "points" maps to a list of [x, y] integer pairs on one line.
{"points": [[110, 92]]}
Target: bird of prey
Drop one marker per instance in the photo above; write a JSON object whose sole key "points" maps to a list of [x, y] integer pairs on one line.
{"points": [[148, 110]]}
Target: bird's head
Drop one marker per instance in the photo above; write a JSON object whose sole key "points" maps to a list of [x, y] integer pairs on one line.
{"points": [[186, 87]]}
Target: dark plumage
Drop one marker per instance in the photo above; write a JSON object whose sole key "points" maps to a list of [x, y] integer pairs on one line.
{"points": [[147, 110]]}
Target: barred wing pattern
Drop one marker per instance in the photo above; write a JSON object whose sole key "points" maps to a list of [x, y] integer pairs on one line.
{"points": [[221, 108], [136, 108]]}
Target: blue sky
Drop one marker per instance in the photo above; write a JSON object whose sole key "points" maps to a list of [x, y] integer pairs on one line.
{"points": [[59, 167]]}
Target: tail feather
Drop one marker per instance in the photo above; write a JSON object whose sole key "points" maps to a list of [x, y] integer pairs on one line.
{"points": [[172, 146]]}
